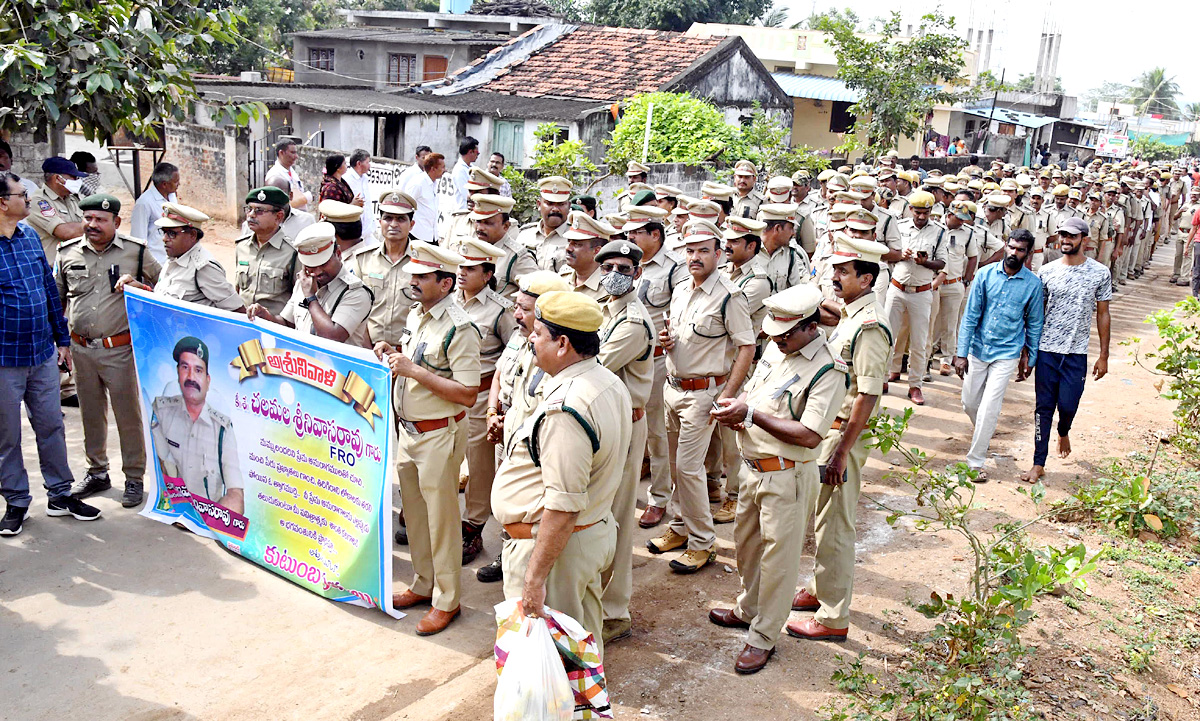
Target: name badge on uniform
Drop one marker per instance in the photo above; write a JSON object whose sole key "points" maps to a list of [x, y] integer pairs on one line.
{"points": [[783, 388], [243, 262], [378, 276], [419, 352], [172, 443]]}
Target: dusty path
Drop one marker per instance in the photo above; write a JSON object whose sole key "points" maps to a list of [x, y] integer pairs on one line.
{"points": [[129, 619]]}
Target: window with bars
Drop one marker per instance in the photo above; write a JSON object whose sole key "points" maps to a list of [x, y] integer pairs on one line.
{"points": [[320, 59], [402, 68]]}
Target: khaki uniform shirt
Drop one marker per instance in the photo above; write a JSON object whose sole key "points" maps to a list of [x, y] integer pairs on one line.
{"points": [[517, 261], [627, 342], [746, 206], [197, 277], [660, 276], [93, 309], [590, 287], [930, 239], [202, 452], [521, 387], [709, 323], [493, 318], [887, 229], [1176, 194], [1041, 228], [960, 245], [1116, 217], [899, 208], [1185, 218], [807, 386], [570, 454], [1019, 218], [806, 232], [1059, 216], [547, 248], [47, 211], [389, 284], [786, 267], [1100, 230], [752, 279], [458, 228], [266, 273], [444, 341], [864, 342], [345, 299]]}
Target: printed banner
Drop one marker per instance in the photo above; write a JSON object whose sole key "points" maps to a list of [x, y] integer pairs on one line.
{"points": [[273, 443]]}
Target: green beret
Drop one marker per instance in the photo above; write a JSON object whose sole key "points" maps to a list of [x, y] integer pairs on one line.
{"points": [[191, 344], [269, 195], [643, 197], [101, 201]]}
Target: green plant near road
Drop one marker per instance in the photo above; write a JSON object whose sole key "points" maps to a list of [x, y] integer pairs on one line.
{"points": [[555, 156], [969, 666], [1178, 359], [768, 147], [683, 129], [1129, 501], [524, 194]]}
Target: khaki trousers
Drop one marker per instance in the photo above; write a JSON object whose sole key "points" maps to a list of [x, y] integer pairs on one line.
{"points": [[617, 580], [656, 438], [573, 586], [689, 432], [772, 516], [103, 377], [910, 311], [1180, 248], [428, 470], [481, 464], [947, 306], [835, 512], [723, 458]]}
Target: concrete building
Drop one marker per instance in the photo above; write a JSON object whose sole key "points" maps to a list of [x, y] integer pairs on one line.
{"points": [[382, 57]]}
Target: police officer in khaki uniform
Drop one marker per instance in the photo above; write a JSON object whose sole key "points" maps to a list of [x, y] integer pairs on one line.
{"points": [[544, 238], [585, 237], [627, 349], [191, 272], [460, 227], [662, 270], [637, 174], [196, 445], [346, 219], [562, 469], [329, 301], [862, 340], [437, 380], [785, 264], [747, 199], [493, 318], [786, 411], [381, 267], [517, 386], [923, 254], [1099, 226], [962, 255], [492, 225], [54, 209], [710, 346], [88, 269], [266, 258]]}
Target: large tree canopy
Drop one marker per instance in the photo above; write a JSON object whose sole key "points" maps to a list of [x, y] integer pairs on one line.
{"points": [[115, 65], [675, 15]]}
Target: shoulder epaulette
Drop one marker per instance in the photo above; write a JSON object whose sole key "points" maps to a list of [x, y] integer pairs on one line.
{"points": [[500, 300], [730, 287], [67, 243], [220, 418], [460, 317], [674, 255]]}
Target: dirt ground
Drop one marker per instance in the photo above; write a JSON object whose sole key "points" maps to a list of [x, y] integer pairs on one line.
{"points": [[130, 619]]}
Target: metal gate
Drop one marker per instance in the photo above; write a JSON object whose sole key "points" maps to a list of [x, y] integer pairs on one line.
{"points": [[262, 155]]}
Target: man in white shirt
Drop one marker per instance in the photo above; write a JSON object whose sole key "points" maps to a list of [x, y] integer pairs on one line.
{"points": [[286, 155], [496, 168], [164, 181], [423, 189], [356, 178], [418, 166], [468, 153]]}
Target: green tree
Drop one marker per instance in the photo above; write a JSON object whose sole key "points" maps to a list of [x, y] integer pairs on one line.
{"points": [[262, 38], [899, 80], [120, 64], [1150, 148], [1025, 83], [1154, 93], [1109, 92], [768, 146], [829, 18], [1191, 111], [675, 15], [683, 129]]}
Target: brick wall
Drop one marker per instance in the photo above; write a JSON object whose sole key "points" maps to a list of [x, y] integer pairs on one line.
{"points": [[212, 167], [28, 156]]}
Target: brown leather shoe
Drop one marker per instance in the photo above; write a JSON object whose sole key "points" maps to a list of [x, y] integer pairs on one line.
{"points": [[893, 377], [408, 599], [727, 618], [805, 601], [752, 660], [811, 630], [916, 396], [652, 516], [436, 621]]}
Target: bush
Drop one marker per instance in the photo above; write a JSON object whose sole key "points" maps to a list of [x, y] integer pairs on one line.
{"points": [[684, 129]]}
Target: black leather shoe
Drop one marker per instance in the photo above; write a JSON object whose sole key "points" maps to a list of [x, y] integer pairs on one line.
{"points": [[492, 572]]}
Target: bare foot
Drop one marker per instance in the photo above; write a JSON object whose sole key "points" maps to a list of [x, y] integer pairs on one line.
{"points": [[1033, 474], [1064, 446]]}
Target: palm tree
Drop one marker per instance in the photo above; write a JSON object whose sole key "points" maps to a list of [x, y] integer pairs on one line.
{"points": [[1154, 93], [1191, 111], [775, 18]]}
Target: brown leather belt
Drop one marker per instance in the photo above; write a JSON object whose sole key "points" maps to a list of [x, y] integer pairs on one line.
{"points": [[485, 382], [914, 288], [638, 414], [1039, 250], [951, 281], [434, 424], [695, 384], [524, 531], [768, 465], [838, 423], [113, 341], [659, 351]]}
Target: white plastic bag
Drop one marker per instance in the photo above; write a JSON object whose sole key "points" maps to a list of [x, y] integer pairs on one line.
{"points": [[533, 685]]}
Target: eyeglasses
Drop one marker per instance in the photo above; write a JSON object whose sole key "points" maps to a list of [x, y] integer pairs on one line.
{"points": [[251, 210], [24, 194], [782, 338], [622, 269], [172, 232]]}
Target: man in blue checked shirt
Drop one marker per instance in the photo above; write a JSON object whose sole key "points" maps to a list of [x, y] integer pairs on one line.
{"points": [[1000, 329], [31, 326]]}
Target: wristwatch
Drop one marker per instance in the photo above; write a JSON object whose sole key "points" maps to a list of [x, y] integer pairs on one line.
{"points": [[748, 421], [305, 303]]}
